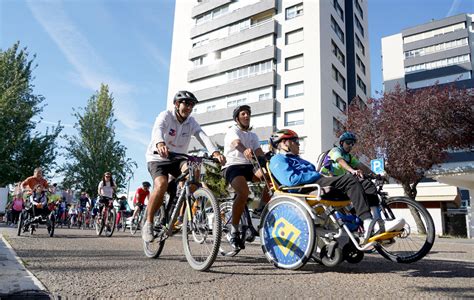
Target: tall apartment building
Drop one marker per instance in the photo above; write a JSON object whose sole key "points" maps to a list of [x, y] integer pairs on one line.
{"points": [[440, 51], [296, 63]]}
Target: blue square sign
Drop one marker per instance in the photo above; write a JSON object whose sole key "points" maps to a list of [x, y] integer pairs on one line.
{"points": [[377, 165]]}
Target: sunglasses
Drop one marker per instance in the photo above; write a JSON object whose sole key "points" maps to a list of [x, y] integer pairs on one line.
{"points": [[188, 103], [295, 140], [350, 142]]}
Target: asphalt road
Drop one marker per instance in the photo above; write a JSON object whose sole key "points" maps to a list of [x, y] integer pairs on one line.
{"points": [[77, 263]]}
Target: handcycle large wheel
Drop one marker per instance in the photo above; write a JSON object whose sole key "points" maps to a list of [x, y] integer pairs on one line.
{"points": [[110, 222], [153, 249], [225, 248], [202, 230], [287, 233], [416, 239]]}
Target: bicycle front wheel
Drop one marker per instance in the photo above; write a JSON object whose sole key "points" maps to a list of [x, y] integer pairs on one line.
{"points": [[153, 249], [110, 222], [417, 236], [202, 230], [134, 223]]}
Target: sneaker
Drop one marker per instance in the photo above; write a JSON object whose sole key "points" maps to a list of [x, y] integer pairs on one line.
{"points": [[373, 227], [147, 232], [178, 224], [236, 242]]}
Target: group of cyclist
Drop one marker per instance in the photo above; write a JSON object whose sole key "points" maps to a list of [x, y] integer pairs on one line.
{"points": [[172, 132]]}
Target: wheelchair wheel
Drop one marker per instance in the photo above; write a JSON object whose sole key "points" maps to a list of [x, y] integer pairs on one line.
{"points": [[418, 234], [287, 233]]}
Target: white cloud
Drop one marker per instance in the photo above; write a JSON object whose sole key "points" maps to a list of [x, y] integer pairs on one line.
{"points": [[454, 8], [90, 68]]}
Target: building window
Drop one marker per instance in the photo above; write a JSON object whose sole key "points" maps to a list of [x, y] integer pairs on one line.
{"points": [[435, 32], [293, 118], [436, 48], [211, 108], [337, 29], [294, 62], [361, 84], [338, 9], [359, 26], [198, 61], [264, 96], [294, 89], [236, 102], [294, 11], [360, 64], [338, 77], [337, 126], [358, 8], [338, 53], [360, 45], [438, 63], [337, 100], [249, 71], [294, 36]]}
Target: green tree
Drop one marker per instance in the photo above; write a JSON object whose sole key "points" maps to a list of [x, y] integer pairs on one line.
{"points": [[94, 150], [21, 148]]}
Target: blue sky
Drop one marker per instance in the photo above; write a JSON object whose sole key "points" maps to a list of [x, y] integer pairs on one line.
{"points": [[126, 44]]}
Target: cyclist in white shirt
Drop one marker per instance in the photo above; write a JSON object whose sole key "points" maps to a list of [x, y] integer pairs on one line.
{"points": [[172, 132], [239, 145]]}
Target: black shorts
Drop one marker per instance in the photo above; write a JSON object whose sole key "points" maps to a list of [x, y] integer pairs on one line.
{"points": [[160, 168], [231, 172], [139, 205]]}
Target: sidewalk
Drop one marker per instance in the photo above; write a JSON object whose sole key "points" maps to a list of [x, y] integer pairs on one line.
{"points": [[16, 282]]}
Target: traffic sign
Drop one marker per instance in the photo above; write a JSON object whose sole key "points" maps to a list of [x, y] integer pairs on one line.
{"points": [[377, 165]]}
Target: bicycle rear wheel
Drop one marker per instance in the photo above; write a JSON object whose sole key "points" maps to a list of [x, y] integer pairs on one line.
{"points": [[110, 222], [417, 237], [225, 248], [134, 223], [202, 230], [153, 249]]}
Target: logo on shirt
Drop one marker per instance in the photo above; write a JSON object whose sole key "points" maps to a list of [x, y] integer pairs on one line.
{"points": [[172, 132]]}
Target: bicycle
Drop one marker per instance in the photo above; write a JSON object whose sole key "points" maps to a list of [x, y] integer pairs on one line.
{"points": [[85, 219], [201, 230], [105, 219], [137, 221]]}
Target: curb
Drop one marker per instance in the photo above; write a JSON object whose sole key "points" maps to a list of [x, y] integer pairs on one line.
{"points": [[21, 267]]}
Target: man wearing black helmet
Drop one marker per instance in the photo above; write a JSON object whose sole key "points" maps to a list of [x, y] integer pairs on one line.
{"points": [[239, 145], [172, 131]]}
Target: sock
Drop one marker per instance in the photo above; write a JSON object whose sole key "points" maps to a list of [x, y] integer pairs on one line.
{"points": [[375, 212], [234, 228]]}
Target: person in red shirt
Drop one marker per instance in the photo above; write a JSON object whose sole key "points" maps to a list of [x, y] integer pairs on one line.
{"points": [[141, 194], [37, 179]]}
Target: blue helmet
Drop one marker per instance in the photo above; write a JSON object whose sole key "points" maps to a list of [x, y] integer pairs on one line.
{"points": [[346, 136]]}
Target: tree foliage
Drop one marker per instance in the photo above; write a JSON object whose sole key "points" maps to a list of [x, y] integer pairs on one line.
{"points": [[94, 150], [21, 148], [414, 129]]}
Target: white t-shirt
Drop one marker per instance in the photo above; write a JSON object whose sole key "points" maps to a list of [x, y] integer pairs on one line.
{"points": [[175, 135], [247, 138], [107, 189]]}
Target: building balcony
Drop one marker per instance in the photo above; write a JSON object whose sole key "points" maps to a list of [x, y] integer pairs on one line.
{"points": [[206, 6], [237, 86], [255, 31], [245, 59], [225, 114], [235, 16]]}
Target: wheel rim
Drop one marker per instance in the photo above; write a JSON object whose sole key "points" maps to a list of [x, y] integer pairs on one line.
{"points": [[412, 244]]}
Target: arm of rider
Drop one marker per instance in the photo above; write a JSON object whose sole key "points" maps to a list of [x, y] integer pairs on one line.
{"points": [[162, 149], [237, 144], [349, 169]]}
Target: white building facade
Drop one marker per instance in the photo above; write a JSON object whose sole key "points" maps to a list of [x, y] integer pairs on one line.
{"points": [[298, 64]]}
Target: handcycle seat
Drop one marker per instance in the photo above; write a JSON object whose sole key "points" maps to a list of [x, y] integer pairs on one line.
{"points": [[327, 195]]}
